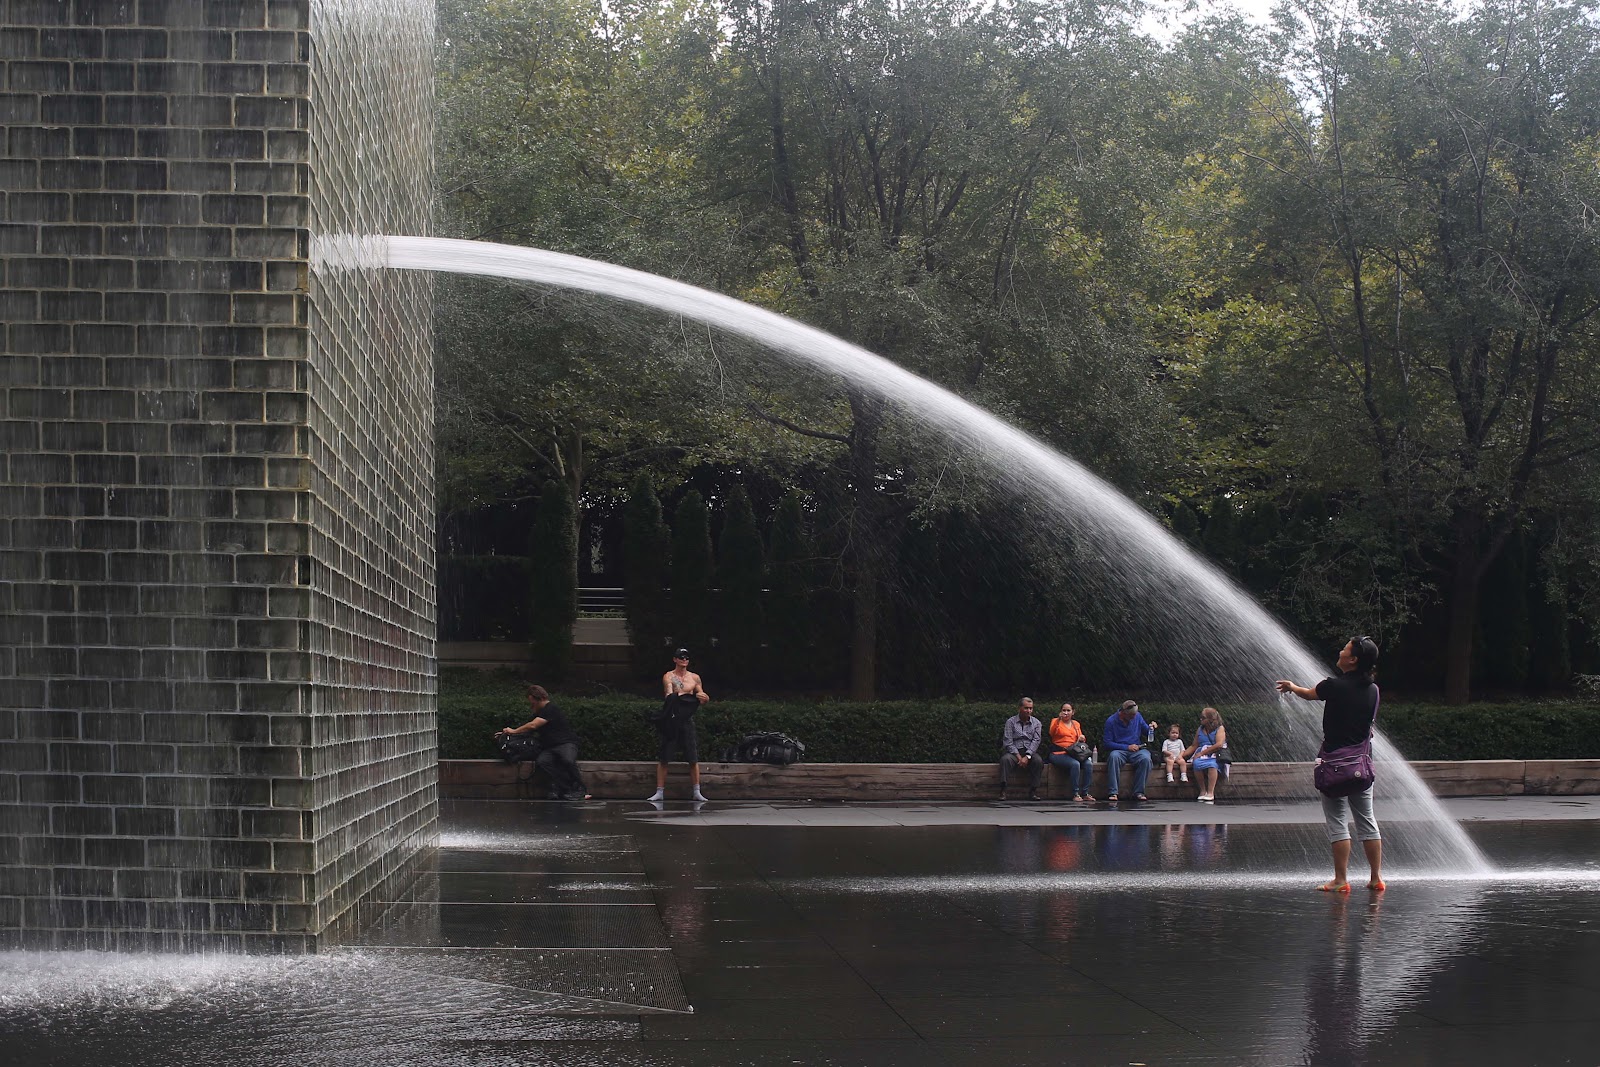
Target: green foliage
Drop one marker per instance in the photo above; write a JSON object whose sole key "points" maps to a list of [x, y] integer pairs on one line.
{"points": [[931, 731], [553, 584], [483, 598], [1259, 530], [1222, 537], [691, 580], [1550, 668], [741, 630], [790, 590], [1186, 524], [1403, 229], [1342, 274], [646, 550]]}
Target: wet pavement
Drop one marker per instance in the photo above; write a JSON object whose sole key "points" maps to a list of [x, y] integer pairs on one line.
{"points": [[880, 935]]}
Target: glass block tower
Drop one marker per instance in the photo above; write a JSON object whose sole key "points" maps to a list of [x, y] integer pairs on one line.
{"points": [[217, 681]]}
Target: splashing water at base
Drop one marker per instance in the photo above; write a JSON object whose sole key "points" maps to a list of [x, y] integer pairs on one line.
{"points": [[1203, 625]]}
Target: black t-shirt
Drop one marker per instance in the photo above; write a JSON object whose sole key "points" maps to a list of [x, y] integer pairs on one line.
{"points": [[556, 730], [1350, 705]]}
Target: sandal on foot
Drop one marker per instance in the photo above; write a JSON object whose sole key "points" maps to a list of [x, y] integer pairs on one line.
{"points": [[1334, 887], [1141, 798], [1377, 886], [1112, 799]]}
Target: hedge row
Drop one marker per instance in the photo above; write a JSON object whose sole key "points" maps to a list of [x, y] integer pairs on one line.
{"points": [[614, 727]]}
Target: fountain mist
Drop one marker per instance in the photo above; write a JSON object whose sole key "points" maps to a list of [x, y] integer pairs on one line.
{"points": [[1193, 620]]}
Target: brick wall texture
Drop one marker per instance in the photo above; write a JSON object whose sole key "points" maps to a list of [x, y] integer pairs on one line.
{"points": [[216, 566]]}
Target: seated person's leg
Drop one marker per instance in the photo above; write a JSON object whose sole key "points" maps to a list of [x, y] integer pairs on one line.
{"points": [[572, 778], [550, 764], [1141, 770], [1007, 762], [1074, 771], [1114, 771]]}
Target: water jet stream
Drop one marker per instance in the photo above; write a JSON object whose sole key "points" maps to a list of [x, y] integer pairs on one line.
{"points": [[1197, 622]]}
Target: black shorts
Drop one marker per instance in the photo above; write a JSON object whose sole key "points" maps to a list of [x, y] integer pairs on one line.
{"points": [[677, 733]]}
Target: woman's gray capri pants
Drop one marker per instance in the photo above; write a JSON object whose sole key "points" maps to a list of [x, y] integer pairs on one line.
{"points": [[1338, 818]]}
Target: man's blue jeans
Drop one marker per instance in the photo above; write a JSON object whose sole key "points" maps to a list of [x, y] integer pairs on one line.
{"points": [[1141, 769], [1079, 772]]}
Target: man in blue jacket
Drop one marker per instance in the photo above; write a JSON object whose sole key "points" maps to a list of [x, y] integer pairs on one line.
{"points": [[1125, 737]]}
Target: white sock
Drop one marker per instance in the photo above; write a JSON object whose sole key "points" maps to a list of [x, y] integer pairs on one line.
{"points": [[1169, 779], [697, 795], [1185, 778], [659, 794]]}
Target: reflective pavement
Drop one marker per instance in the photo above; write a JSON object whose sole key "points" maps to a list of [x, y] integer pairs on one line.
{"points": [[881, 935]]}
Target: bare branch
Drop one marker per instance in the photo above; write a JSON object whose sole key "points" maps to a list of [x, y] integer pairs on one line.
{"points": [[778, 420]]}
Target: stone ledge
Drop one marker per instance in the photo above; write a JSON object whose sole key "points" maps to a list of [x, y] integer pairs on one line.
{"points": [[633, 780]]}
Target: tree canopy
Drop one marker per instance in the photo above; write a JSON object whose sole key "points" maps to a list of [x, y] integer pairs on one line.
{"points": [[1321, 295]]}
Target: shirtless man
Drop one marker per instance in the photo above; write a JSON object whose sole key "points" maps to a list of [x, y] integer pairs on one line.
{"points": [[683, 694]]}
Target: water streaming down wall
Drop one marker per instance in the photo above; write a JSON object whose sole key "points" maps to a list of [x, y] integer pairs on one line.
{"points": [[216, 620], [1185, 615]]}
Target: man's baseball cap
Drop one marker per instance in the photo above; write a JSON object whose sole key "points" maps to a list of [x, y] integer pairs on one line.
{"points": [[682, 653], [1130, 705]]}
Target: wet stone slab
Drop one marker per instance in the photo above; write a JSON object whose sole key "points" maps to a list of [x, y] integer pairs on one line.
{"points": [[577, 935]]}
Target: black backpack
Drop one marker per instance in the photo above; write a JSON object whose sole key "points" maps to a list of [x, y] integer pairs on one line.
{"points": [[774, 748], [519, 748]]}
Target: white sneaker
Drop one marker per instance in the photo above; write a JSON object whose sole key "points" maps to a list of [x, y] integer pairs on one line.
{"points": [[1169, 779], [659, 794], [1185, 778]]}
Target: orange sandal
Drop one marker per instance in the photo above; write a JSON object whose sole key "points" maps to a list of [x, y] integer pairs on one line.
{"points": [[1334, 887], [1377, 886]]}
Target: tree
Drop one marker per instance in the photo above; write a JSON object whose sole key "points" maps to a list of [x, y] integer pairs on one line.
{"points": [[552, 135], [789, 604], [1418, 208], [916, 167], [553, 563], [741, 629], [1223, 541], [646, 548], [692, 578]]}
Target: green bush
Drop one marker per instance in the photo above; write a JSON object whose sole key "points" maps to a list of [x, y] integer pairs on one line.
{"points": [[473, 705]]}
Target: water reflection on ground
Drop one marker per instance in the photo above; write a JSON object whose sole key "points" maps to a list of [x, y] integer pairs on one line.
{"points": [[582, 935]]}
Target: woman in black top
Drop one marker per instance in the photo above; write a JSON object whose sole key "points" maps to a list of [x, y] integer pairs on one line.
{"points": [[1350, 703]]}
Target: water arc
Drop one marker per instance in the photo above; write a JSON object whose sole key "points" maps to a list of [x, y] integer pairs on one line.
{"points": [[1206, 626]]}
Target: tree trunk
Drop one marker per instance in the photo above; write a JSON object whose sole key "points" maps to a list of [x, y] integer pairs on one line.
{"points": [[575, 475], [1464, 590]]}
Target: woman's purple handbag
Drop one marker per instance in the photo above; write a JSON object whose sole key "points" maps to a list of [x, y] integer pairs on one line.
{"points": [[1348, 770], [1345, 771]]}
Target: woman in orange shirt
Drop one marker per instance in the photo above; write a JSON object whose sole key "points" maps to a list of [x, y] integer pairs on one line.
{"points": [[1069, 750]]}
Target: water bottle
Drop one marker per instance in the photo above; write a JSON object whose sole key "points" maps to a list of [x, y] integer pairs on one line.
{"points": [[1150, 738], [1094, 754]]}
